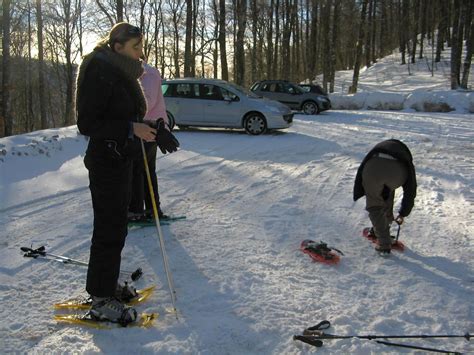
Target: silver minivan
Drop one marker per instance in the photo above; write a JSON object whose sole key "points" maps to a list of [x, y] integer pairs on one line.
{"points": [[218, 103]]}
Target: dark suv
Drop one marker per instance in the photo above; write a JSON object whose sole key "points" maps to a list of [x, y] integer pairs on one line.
{"points": [[292, 95]]}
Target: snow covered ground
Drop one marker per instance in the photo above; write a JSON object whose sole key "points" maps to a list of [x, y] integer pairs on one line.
{"points": [[242, 285], [388, 85]]}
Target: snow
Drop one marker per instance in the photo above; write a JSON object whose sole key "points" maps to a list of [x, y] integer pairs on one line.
{"points": [[388, 85], [242, 285]]}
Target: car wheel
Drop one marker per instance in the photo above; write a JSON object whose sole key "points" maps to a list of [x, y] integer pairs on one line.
{"points": [[310, 108], [255, 124], [171, 121]]}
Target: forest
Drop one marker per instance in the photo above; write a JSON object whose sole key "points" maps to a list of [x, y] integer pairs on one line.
{"points": [[236, 40]]}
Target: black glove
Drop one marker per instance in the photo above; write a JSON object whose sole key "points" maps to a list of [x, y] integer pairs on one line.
{"points": [[166, 141]]}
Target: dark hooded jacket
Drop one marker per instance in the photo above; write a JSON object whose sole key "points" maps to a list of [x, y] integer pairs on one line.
{"points": [[107, 103], [400, 151]]}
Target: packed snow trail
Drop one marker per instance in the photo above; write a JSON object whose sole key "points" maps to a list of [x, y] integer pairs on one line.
{"points": [[242, 284]]}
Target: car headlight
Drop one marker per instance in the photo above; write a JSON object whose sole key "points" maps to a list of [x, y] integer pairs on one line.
{"points": [[322, 99], [273, 109]]}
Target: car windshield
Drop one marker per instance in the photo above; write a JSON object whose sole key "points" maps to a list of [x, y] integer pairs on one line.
{"points": [[299, 89], [243, 90]]}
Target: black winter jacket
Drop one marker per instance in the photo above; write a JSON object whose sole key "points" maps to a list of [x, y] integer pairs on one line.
{"points": [[401, 152], [106, 108]]}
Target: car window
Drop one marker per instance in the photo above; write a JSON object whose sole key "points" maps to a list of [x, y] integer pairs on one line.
{"points": [[265, 87], [242, 90], [290, 89], [226, 94], [211, 92], [276, 87], [255, 86], [166, 89], [306, 88], [186, 90]]}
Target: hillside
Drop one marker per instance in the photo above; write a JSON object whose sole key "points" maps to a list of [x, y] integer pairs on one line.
{"points": [[243, 287]]}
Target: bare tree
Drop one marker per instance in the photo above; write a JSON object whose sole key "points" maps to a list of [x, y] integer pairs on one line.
{"points": [[187, 45], [222, 41], [456, 45], [6, 119], [270, 38], [403, 13], [335, 34], [241, 21], [41, 67], [441, 30], [355, 77], [469, 44]]}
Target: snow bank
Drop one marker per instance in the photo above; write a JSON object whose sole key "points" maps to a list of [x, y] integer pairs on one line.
{"points": [[441, 101], [419, 100], [370, 101]]}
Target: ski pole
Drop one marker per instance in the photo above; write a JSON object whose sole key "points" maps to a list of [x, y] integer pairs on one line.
{"points": [[398, 233], [41, 251], [317, 342], [322, 335], [418, 347], [159, 232]]}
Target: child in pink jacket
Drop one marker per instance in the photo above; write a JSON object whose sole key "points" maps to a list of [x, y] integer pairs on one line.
{"points": [[156, 110]]}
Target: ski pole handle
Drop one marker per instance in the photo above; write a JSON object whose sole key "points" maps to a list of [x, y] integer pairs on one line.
{"points": [[33, 253], [308, 340], [136, 274]]}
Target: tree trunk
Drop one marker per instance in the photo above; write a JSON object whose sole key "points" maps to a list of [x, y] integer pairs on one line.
{"points": [[368, 48], [414, 40], [469, 44], [29, 124], [41, 84], [423, 14], [360, 43], [193, 47], [456, 45], [241, 12], [313, 44], [374, 32], [187, 45], [383, 30], [222, 44], [403, 15], [6, 119], [276, 53], [327, 45], [270, 40], [285, 41], [253, 65], [69, 25], [119, 10], [441, 31], [334, 41]]}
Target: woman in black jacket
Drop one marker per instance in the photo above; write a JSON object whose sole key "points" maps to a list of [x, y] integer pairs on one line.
{"points": [[110, 107], [386, 167]]}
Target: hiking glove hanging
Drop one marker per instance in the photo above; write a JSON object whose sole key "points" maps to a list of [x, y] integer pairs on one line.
{"points": [[165, 140]]}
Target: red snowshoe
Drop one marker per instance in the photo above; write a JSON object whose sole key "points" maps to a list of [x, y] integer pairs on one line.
{"points": [[320, 252], [369, 234]]}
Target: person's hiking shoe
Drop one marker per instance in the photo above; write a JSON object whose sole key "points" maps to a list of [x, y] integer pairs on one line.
{"points": [[150, 216], [125, 292], [112, 310], [135, 217], [383, 251]]}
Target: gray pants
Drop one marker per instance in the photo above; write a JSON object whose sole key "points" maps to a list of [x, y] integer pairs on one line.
{"points": [[380, 178]]}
